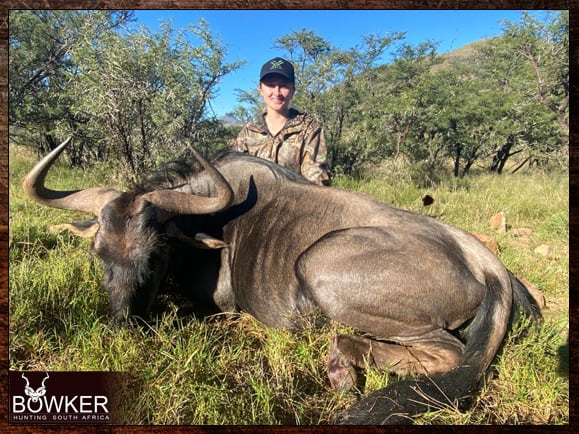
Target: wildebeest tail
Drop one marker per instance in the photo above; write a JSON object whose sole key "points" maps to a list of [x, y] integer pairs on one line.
{"points": [[398, 403]]}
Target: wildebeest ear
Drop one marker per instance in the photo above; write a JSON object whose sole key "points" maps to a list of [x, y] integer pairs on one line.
{"points": [[205, 241], [84, 228], [199, 240]]}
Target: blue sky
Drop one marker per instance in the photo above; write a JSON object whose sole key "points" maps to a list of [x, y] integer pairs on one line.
{"points": [[249, 35]]}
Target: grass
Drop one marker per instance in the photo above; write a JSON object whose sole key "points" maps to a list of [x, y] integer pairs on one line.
{"points": [[234, 370]]}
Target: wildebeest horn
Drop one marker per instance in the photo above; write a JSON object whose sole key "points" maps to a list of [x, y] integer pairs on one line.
{"points": [[185, 203], [90, 200]]}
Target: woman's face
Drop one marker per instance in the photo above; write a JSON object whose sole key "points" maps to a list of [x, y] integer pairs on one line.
{"points": [[277, 92]]}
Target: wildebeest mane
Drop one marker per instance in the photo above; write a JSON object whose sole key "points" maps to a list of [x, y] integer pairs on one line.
{"points": [[278, 171], [176, 173], [169, 175]]}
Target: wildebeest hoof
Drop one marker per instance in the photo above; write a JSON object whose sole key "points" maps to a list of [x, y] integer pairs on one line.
{"points": [[341, 371], [342, 375]]}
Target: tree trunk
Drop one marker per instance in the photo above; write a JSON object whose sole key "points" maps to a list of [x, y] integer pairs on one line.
{"points": [[502, 155], [457, 152]]}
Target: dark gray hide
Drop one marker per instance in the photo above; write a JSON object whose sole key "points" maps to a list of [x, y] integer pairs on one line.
{"points": [[289, 248]]}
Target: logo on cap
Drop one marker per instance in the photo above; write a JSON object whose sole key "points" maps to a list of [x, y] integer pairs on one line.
{"points": [[276, 64]]}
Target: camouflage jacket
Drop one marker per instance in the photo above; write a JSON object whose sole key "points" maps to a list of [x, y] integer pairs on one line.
{"points": [[300, 145]]}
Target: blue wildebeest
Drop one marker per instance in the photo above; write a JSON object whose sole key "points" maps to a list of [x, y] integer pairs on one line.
{"points": [[427, 298]]}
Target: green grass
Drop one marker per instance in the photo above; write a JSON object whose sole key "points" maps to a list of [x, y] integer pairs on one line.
{"points": [[234, 370]]}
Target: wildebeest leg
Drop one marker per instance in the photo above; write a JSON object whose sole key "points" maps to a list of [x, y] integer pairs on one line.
{"points": [[388, 290], [434, 352]]}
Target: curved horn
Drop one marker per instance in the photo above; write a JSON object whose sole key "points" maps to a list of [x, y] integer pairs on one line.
{"points": [[45, 378], [177, 202], [27, 382], [90, 200]]}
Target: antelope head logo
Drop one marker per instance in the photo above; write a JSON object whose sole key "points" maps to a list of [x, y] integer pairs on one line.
{"points": [[35, 395]]}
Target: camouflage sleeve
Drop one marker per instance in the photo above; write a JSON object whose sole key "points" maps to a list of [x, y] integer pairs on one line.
{"points": [[239, 144], [314, 160]]}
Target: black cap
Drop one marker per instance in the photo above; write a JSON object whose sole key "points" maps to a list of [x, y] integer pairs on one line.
{"points": [[279, 66]]}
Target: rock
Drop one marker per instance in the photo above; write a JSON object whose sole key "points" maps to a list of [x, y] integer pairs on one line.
{"points": [[522, 237], [544, 250], [499, 222], [535, 292], [522, 232], [488, 241]]}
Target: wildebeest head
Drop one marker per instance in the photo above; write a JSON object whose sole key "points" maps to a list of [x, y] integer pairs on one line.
{"points": [[130, 232]]}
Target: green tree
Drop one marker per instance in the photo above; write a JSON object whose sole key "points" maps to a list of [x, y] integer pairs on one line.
{"points": [[529, 65], [390, 105], [145, 94], [469, 108], [40, 66], [124, 93]]}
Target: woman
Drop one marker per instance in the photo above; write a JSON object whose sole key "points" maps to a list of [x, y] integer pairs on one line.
{"points": [[284, 135]]}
